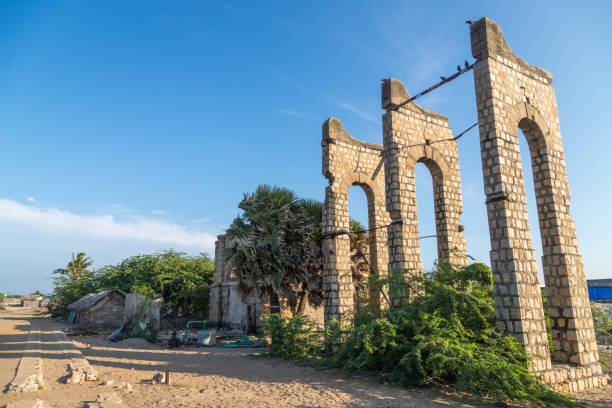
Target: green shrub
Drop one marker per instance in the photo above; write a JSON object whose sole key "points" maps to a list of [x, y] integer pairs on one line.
{"points": [[446, 335], [602, 321], [294, 338]]}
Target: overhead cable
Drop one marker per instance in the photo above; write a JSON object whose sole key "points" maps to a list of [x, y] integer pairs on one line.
{"points": [[444, 80]]}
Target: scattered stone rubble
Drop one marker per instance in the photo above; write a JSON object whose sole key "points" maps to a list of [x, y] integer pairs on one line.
{"points": [[81, 371], [108, 400], [121, 385], [79, 367]]}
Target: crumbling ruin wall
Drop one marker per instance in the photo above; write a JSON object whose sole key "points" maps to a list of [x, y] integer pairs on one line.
{"points": [[411, 135], [512, 95], [229, 308], [215, 307], [347, 162]]}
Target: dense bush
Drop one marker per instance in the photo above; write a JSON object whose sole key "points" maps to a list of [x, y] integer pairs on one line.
{"points": [[602, 321], [292, 338], [183, 281], [445, 336]]}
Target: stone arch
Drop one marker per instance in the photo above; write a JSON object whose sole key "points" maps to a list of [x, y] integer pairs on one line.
{"points": [[526, 117], [438, 167], [512, 94], [413, 134], [346, 162]]}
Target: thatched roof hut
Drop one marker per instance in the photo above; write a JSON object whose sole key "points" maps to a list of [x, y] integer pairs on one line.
{"points": [[101, 309]]}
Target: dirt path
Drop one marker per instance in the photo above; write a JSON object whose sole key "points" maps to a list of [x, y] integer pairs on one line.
{"points": [[205, 377], [15, 324], [13, 335]]}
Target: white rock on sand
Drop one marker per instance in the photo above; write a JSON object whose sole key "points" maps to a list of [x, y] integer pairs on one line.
{"points": [[36, 403], [109, 400]]}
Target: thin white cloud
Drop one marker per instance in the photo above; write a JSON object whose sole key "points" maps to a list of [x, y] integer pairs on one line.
{"points": [[232, 9], [159, 212], [201, 220], [31, 199], [360, 113], [290, 81], [137, 228], [290, 112], [286, 23]]}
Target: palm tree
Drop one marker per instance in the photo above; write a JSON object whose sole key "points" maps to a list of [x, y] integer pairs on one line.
{"points": [[77, 267], [72, 282], [311, 286], [269, 245], [276, 248]]}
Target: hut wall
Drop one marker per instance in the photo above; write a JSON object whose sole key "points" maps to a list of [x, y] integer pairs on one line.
{"points": [[107, 313]]}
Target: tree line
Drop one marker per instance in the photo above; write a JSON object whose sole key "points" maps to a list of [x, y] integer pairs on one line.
{"points": [[182, 280]]}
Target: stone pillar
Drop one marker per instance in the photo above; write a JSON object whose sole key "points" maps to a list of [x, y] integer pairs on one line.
{"points": [[215, 311], [512, 94], [378, 218], [448, 209], [347, 162], [337, 278], [412, 134]]}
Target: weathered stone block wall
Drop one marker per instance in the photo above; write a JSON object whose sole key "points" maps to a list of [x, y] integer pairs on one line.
{"points": [[215, 308], [512, 94], [412, 134], [347, 162]]}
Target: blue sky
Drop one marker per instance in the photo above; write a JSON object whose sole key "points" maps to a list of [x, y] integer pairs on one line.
{"points": [[132, 127]]}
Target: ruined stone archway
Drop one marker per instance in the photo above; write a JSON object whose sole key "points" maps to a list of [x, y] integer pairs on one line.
{"points": [[512, 94], [413, 134], [347, 162]]}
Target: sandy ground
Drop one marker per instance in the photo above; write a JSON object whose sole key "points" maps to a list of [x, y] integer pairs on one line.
{"points": [[203, 377]]}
